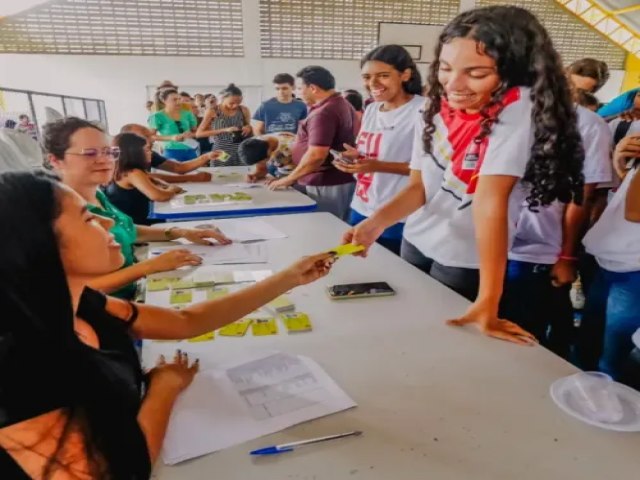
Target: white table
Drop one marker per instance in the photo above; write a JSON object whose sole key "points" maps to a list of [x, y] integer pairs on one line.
{"points": [[265, 201], [435, 402]]}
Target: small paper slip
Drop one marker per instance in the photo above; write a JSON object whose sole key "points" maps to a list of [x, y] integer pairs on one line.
{"points": [[180, 296], [261, 327], [207, 337], [182, 284], [223, 156], [347, 249], [281, 304], [297, 322], [236, 329], [247, 399], [158, 284], [215, 293]]}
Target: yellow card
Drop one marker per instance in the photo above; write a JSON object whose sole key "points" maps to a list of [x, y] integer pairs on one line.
{"points": [[207, 337], [236, 329], [158, 284], [264, 326], [214, 293], [347, 249], [282, 304], [180, 296], [297, 322], [182, 283]]}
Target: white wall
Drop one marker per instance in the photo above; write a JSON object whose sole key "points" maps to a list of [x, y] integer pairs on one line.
{"points": [[122, 80]]}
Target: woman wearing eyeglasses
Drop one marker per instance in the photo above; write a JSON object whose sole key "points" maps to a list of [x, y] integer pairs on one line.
{"points": [[79, 152], [173, 125]]}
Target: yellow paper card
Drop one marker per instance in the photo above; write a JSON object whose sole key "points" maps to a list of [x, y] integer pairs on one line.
{"points": [[347, 249], [182, 283], [207, 337], [180, 296], [297, 322], [236, 329], [215, 293], [282, 304], [158, 284], [264, 326]]}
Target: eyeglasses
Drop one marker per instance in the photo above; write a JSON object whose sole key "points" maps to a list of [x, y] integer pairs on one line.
{"points": [[94, 153]]}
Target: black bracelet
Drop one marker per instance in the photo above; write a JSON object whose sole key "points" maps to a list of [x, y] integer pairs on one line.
{"points": [[134, 314]]}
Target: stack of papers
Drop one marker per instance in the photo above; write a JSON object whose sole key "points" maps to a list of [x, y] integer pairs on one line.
{"points": [[246, 400], [236, 253]]}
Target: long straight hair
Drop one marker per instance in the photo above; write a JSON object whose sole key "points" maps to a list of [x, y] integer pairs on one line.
{"points": [[44, 366]]}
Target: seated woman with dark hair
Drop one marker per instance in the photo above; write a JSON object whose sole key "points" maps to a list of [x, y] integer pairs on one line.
{"points": [[72, 401], [132, 186]]}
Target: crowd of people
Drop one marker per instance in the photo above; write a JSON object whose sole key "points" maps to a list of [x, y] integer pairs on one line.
{"points": [[500, 175]]}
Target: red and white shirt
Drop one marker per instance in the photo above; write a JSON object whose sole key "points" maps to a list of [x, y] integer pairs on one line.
{"points": [[388, 137], [443, 229]]}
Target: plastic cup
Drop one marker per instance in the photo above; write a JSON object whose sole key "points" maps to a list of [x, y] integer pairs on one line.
{"points": [[596, 397]]}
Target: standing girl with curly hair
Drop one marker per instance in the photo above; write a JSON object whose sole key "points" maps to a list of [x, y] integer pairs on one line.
{"points": [[499, 127]]}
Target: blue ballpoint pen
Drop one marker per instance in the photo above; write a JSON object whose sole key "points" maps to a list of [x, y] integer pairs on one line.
{"points": [[289, 447]]}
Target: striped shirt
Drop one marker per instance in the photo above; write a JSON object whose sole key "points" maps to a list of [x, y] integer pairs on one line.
{"points": [[227, 142]]}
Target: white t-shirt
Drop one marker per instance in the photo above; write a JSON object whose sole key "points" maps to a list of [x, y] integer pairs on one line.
{"points": [[539, 234], [443, 228], [385, 136], [614, 241]]}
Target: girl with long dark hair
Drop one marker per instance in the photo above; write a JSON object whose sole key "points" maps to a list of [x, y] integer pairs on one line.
{"points": [[132, 187], [383, 146], [72, 402], [499, 127]]}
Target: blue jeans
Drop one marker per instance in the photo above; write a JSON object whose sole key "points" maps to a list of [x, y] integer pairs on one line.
{"points": [[614, 297], [530, 300], [180, 154], [391, 238]]}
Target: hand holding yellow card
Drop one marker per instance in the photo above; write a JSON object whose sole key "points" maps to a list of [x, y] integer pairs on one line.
{"points": [[347, 249]]}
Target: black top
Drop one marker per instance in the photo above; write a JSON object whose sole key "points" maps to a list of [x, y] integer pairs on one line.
{"points": [[130, 201], [115, 362], [157, 160]]}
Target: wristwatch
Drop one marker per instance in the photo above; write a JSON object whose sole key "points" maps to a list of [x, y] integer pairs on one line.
{"points": [[167, 232]]}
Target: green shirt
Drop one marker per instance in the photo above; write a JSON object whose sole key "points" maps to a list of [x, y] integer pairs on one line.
{"points": [[167, 126], [124, 231]]}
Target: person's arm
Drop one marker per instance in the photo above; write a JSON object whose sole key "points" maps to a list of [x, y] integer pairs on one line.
{"points": [[141, 181], [490, 217], [188, 166], [260, 171], [190, 177], [199, 236], [167, 261], [632, 201], [165, 323], [574, 222], [407, 201], [166, 382], [258, 128], [370, 165], [203, 131], [246, 128]]}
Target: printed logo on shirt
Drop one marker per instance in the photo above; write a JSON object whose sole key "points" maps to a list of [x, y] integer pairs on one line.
{"points": [[467, 153], [368, 145]]}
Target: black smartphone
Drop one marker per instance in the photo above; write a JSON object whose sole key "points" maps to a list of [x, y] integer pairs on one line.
{"points": [[360, 290]]}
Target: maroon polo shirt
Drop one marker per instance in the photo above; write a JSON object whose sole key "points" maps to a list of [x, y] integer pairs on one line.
{"points": [[330, 124]]}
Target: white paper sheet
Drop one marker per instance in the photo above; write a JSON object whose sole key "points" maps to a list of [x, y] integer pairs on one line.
{"points": [[241, 229], [249, 399], [236, 253]]}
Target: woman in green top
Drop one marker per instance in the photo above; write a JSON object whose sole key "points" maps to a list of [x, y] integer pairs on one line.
{"points": [[173, 125], [79, 151]]}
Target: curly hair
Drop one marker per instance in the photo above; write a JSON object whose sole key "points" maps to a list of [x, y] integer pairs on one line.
{"points": [[524, 56]]}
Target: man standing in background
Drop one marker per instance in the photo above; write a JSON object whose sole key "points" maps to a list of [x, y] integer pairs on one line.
{"points": [[281, 113], [329, 125]]}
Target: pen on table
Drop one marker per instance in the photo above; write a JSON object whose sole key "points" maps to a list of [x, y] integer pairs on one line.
{"points": [[288, 447]]}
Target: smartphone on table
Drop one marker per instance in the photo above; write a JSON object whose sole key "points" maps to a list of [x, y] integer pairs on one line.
{"points": [[360, 290]]}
